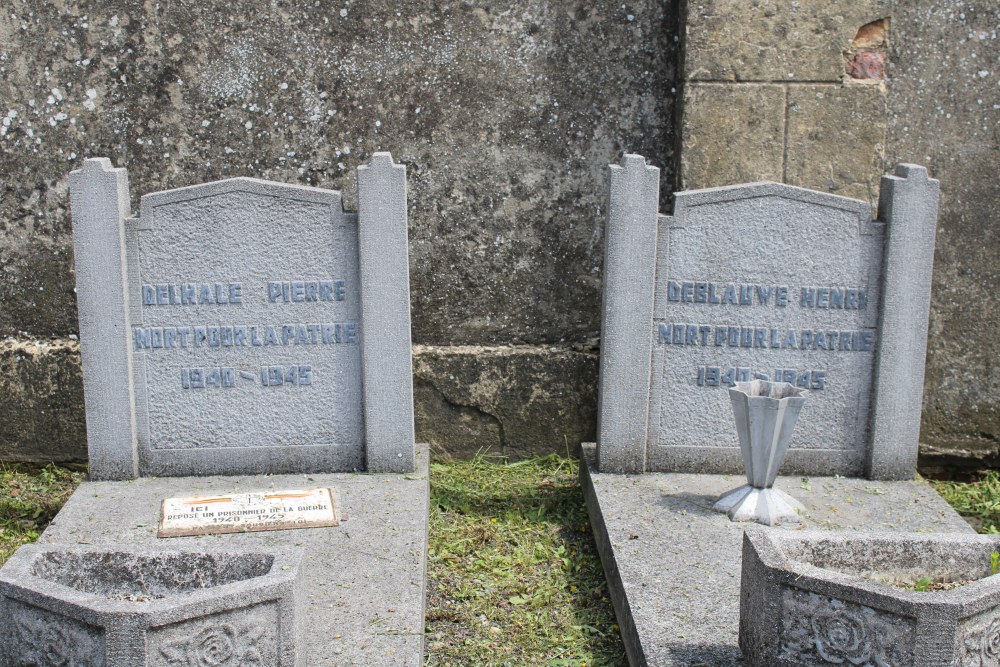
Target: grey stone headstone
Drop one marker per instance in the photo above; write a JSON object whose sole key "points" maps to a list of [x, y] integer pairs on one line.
{"points": [[243, 331], [765, 281]]}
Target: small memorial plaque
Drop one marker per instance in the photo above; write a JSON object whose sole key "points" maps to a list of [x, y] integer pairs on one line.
{"points": [[248, 512]]}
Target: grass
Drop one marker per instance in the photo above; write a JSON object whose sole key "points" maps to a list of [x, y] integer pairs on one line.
{"points": [[514, 577], [978, 501], [513, 573], [29, 498]]}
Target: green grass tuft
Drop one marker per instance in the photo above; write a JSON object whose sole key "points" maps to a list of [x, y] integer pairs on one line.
{"points": [[514, 576], [979, 500], [29, 498]]}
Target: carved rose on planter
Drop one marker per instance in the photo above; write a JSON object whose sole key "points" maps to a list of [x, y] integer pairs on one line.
{"points": [[841, 637], [50, 640], [819, 630], [981, 649], [216, 646]]}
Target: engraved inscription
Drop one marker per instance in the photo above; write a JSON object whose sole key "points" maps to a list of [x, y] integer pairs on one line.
{"points": [[716, 376], [223, 336], [200, 378], [301, 291], [735, 336], [763, 282], [189, 294], [176, 338], [248, 512]]}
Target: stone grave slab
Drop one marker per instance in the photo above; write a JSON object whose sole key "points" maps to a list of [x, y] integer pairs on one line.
{"points": [[244, 326], [673, 564], [360, 586], [764, 281], [242, 339]]}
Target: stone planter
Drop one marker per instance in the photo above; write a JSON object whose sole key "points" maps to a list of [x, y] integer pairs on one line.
{"points": [[129, 607], [765, 413], [821, 598]]}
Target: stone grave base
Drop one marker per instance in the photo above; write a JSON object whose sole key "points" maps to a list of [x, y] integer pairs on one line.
{"points": [[361, 600], [673, 564]]}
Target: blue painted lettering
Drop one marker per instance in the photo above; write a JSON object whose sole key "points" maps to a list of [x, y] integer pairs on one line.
{"points": [[673, 290]]}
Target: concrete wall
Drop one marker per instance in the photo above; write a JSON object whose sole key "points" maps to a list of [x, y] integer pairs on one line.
{"points": [[506, 115], [944, 112]]}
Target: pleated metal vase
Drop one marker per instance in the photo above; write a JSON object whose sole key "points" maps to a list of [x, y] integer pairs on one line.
{"points": [[765, 413]]}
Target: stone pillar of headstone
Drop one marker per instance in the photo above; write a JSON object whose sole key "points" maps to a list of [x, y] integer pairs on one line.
{"points": [[99, 203], [627, 314], [385, 316], [908, 205]]}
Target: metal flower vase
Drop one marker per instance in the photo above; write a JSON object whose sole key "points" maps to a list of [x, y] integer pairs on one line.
{"points": [[765, 413]]}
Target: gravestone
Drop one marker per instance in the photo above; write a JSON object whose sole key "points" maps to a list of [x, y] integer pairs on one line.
{"points": [[764, 281], [246, 349], [760, 281], [244, 326]]}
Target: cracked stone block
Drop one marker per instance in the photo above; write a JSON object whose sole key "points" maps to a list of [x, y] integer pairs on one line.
{"points": [[123, 607], [503, 400], [822, 598]]}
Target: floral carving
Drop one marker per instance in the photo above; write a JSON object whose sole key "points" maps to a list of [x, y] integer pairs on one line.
{"points": [[47, 640], [841, 636], [980, 646], [220, 645], [819, 630]]}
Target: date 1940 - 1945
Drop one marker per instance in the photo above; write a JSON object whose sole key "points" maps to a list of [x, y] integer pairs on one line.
{"points": [[226, 377], [716, 376]]}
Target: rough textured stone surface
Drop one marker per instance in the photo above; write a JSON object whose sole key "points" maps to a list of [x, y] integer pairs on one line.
{"points": [[154, 607], [725, 302], [106, 302], [731, 134], [777, 40], [360, 585], [505, 113], [836, 138], [820, 598], [943, 113], [269, 264], [673, 565], [41, 413], [511, 401]]}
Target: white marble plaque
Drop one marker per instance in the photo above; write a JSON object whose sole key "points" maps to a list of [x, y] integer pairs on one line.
{"points": [[248, 512]]}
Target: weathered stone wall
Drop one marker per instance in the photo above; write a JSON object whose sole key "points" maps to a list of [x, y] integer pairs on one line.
{"points": [[944, 112], [832, 95], [771, 91], [505, 113]]}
